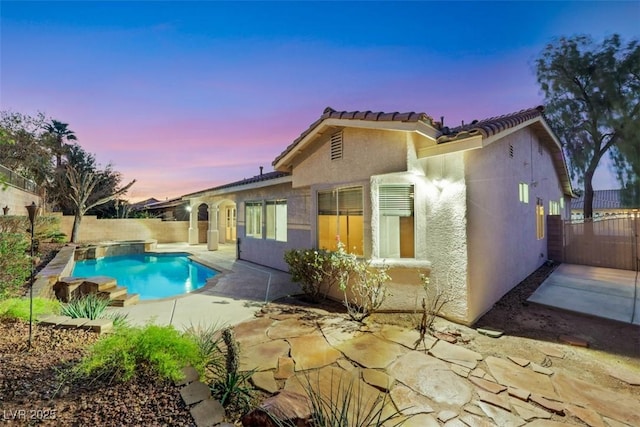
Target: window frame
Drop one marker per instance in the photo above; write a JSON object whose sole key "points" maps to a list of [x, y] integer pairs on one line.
{"points": [[277, 234], [403, 206], [253, 227]]}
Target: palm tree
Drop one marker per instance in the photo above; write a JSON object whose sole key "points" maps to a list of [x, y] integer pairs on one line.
{"points": [[59, 132]]}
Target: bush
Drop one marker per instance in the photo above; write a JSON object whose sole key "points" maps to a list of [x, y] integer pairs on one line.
{"points": [[158, 350], [15, 267], [318, 270], [18, 308], [364, 288], [90, 306]]}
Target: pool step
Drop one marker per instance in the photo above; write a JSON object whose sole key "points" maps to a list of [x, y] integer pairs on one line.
{"points": [[113, 292], [124, 300]]}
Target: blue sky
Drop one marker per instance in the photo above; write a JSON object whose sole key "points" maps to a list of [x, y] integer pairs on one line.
{"points": [[188, 95]]}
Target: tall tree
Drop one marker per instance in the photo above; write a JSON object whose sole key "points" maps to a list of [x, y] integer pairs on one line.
{"points": [[89, 186], [59, 133], [592, 96]]}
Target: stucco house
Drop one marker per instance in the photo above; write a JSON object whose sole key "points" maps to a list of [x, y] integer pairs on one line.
{"points": [[466, 205], [606, 204]]}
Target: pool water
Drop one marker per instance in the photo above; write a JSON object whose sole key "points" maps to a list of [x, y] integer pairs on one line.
{"points": [[152, 275]]}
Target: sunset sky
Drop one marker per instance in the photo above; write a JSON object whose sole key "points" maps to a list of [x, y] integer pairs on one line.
{"points": [[184, 96]]}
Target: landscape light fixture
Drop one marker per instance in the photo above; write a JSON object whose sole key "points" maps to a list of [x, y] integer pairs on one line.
{"points": [[33, 210], [6, 210]]}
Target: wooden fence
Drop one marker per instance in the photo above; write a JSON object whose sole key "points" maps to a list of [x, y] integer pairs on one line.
{"points": [[611, 242]]}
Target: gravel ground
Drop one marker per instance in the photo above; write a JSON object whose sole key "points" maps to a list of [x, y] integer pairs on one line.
{"points": [[30, 379]]}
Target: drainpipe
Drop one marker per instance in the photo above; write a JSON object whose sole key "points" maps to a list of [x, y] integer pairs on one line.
{"points": [[238, 251]]}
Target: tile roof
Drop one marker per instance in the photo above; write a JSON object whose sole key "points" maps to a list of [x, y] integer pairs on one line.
{"points": [[258, 178], [491, 126], [330, 113], [602, 199]]}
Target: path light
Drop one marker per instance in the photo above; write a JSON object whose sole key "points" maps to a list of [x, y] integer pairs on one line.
{"points": [[33, 210]]}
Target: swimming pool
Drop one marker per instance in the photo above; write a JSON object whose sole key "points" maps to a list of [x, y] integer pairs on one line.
{"points": [[152, 275]]}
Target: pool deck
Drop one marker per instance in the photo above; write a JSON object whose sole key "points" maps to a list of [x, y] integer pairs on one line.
{"points": [[231, 297]]}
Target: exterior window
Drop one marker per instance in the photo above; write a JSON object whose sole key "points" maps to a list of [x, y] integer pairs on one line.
{"points": [[396, 221], [539, 219], [554, 207], [276, 220], [253, 219], [340, 217], [524, 192], [561, 203]]}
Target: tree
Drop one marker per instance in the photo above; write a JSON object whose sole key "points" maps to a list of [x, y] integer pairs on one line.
{"points": [[59, 133], [89, 186], [592, 98]]}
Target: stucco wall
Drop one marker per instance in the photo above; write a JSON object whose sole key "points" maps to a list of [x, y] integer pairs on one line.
{"points": [[16, 199], [503, 246], [93, 229], [366, 152], [270, 252]]}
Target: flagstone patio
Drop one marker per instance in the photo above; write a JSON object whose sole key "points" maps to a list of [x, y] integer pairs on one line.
{"points": [[437, 384]]}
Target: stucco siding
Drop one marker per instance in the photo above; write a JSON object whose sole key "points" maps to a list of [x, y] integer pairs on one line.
{"points": [[503, 244], [366, 152], [269, 252]]}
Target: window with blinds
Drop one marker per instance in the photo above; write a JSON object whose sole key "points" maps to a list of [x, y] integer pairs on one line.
{"points": [[336, 146], [396, 200], [396, 221]]}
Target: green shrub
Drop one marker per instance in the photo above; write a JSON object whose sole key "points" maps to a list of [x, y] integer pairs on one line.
{"points": [[209, 340], [90, 306], [158, 350], [18, 308], [318, 270], [15, 267], [364, 288]]}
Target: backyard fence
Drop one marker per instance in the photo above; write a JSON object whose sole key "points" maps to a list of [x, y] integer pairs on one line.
{"points": [[611, 242], [18, 180]]}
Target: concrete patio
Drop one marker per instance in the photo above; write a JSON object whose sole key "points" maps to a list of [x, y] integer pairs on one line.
{"points": [[232, 296], [596, 291]]}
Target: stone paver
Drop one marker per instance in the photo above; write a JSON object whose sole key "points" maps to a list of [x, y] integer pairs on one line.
{"points": [[195, 392], [421, 420], [377, 379], [337, 330], [500, 416], [190, 375], [527, 411], [285, 368], [207, 413], [409, 338], [432, 378], [322, 355], [489, 386], [625, 375], [252, 332], [455, 354], [264, 381], [588, 416], [263, 356], [410, 402], [511, 375], [371, 351], [606, 402], [291, 328]]}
